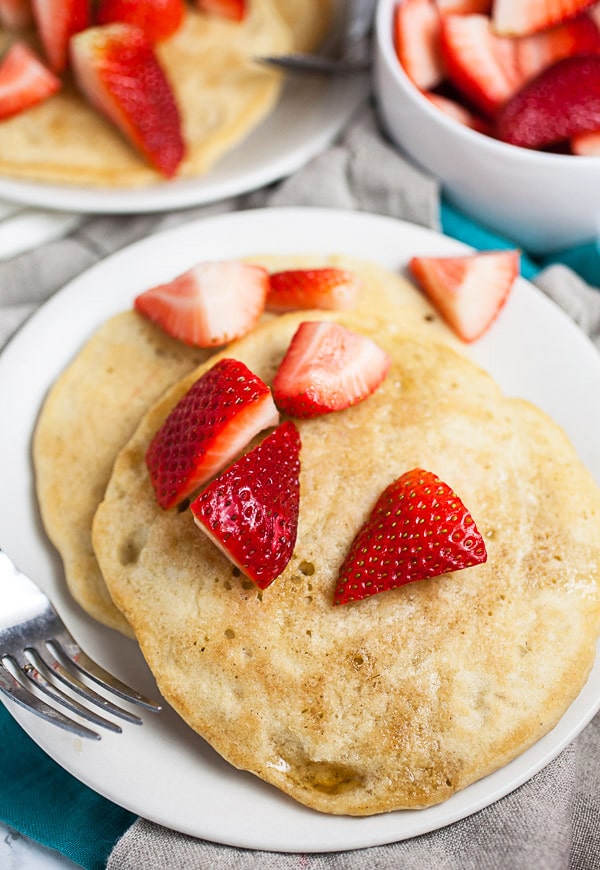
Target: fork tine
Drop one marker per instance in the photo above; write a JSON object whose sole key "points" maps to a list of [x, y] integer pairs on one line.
{"points": [[44, 676], [77, 662], [15, 691]]}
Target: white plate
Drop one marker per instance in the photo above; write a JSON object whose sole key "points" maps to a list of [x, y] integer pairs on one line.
{"points": [[163, 771], [309, 115]]}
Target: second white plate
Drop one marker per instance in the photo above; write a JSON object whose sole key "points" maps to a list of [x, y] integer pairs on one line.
{"points": [[163, 771]]}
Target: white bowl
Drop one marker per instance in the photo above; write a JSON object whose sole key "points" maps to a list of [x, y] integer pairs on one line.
{"points": [[543, 202]]}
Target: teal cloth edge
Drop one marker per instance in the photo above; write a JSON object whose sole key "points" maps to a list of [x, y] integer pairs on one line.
{"points": [[47, 804], [76, 821]]}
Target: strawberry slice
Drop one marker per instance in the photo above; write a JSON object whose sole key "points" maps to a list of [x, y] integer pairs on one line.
{"points": [[327, 368], [484, 67], [217, 417], [521, 17], [15, 14], [468, 291], [330, 289], [236, 10], [118, 71], [463, 7], [458, 112], [417, 42], [419, 528], [540, 50], [210, 304], [24, 80], [250, 511], [586, 145], [159, 19], [562, 102], [57, 21]]}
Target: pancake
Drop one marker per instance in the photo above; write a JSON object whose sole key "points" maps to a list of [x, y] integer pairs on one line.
{"points": [[221, 92], [402, 699], [125, 366]]}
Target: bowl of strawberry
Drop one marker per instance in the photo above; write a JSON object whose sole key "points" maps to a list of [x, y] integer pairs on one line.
{"points": [[500, 101]]}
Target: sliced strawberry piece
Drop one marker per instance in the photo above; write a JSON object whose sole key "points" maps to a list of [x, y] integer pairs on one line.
{"points": [[57, 21], [236, 10], [327, 368], [521, 17], [250, 511], [484, 67], [419, 528], [210, 304], [586, 145], [562, 102], [541, 50], [464, 7], [15, 14], [329, 289], [222, 411], [458, 112], [159, 19], [24, 80], [118, 71], [468, 291], [417, 42]]}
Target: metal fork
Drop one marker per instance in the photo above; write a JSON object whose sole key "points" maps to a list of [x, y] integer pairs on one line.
{"points": [[39, 659], [346, 52]]}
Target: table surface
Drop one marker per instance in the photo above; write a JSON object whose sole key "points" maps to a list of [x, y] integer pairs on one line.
{"points": [[19, 853]]}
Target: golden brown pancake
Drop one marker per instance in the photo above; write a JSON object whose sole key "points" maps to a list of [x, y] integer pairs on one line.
{"points": [[402, 699], [125, 366], [221, 91]]}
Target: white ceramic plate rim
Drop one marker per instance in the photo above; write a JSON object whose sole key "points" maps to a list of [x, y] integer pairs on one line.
{"points": [[163, 771], [310, 113]]}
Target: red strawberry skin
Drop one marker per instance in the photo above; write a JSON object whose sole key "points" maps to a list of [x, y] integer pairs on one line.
{"points": [[327, 368], [250, 511], [159, 19], [207, 428], [562, 102], [24, 80], [57, 21], [419, 528], [327, 289], [119, 73]]}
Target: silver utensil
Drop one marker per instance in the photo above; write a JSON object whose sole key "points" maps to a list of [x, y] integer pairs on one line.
{"points": [[345, 53], [39, 659]]}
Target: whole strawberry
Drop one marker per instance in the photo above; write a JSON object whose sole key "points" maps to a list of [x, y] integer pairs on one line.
{"points": [[419, 528], [250, 511], [207, 428]]}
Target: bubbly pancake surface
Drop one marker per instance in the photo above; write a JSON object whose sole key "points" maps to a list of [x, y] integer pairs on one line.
{"points": [[402, 699], [125, 366], [221, 91]]}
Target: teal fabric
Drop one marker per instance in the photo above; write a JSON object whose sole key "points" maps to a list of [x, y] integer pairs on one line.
{"points": [[45, 803]]}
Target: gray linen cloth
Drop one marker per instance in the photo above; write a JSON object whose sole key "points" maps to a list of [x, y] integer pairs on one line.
{"points": [[550, 823]]}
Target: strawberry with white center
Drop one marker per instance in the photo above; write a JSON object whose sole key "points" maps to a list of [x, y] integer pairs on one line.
{"points": [[327, 368], [236, 10], [213, 422], [483, 66], [117, 70], [561, 103], [327, 288], [250, 511], [24, 80], [159, 19], [209, 304], [521, 17], [470, 290], [417, 42], [15, 14], [419, 528], [57, 21]]}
